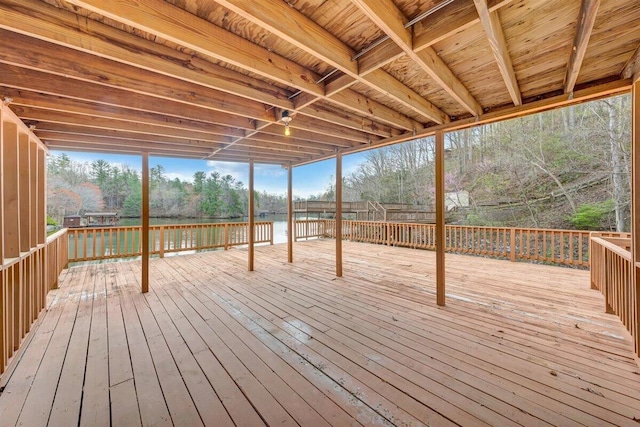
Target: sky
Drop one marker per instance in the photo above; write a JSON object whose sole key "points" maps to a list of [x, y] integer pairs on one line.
{"points": [[308, 180]]}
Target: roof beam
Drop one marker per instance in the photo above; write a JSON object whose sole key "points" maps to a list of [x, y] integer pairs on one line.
{"points": [[53, 103], [317, 111], [294, 140], [441, 24], [64, 28], [77, 132], [586, 20], [302, 32], [45, 22], [71, 64], [329, 131], [322, 44], [49, 137], [493, 29], [181, 27], [631, 69], [124, 149], [37, 81], [386, 15], [298, 133], [27, 113], [285, 146]]}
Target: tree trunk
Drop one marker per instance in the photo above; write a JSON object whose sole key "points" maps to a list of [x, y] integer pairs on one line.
{"points": [[616, 166]]}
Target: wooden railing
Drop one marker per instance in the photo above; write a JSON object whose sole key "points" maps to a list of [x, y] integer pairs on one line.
{"points": [[563, 247], [99, 243], [612, 274], [26, 280]]}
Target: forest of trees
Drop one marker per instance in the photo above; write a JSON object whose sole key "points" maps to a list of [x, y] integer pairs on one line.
{"points": [[79, 187], [566, 168]]}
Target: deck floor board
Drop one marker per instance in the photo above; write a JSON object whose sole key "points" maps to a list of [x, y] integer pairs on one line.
{"points": [[291, 344]]}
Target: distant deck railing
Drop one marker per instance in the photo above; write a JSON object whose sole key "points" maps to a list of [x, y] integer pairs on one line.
{"points": [[26, 280], [612, 274], [100, 243], [560, 247]]}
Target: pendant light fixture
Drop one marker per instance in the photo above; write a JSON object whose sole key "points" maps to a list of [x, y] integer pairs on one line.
{"points": [[286, 119]]}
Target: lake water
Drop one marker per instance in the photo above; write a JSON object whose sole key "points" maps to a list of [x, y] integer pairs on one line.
{"points": [[279, 223]]}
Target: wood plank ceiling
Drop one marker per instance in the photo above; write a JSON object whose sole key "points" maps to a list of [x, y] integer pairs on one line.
{"points": [[211, 79]]}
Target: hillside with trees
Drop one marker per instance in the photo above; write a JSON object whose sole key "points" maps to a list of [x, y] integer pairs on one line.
{"points": [[566, 168], [79, 187]]}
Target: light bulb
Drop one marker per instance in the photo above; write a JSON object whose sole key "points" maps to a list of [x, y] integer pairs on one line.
{"points": [[287, 131]]}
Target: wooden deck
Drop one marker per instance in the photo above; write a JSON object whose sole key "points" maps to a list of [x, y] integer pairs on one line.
{"points": [[517, 344]]}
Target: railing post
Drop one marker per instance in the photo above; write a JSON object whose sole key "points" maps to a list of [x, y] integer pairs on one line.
{"points": [[226, 236], [161, 248], [388, 231], [271, 232], [512, 245], [605, 284], [592, 264]]}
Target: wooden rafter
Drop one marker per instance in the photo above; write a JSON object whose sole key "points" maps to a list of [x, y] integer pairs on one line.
{"points": [[55, 104], [586, 20], [67, 63], [61, 27], [36, 81], [340, 56], [104, 121], [386, 15], [632, 67], [179, 26], [58, 132], [493, 29], [45, 22], [451, 19]]}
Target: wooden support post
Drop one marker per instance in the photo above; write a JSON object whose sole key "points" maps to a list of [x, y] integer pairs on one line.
{"points": [[251, 217], [161, 242], [635, 210], [10, 185], [35, 169], [24, 188], [339, 214], [145, 223], [42, 197], [290, 213], [512, 245], [440, 226]]}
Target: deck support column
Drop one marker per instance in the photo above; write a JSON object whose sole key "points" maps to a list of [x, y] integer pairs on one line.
{"points": [[339, 214], [290, 213], [145, 223], [635, 208], [251, 219], [440, 225]]}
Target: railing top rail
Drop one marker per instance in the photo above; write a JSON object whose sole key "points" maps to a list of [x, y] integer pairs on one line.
{"points": [[156, 226], [612, 247], [610, 234], [56, 235]]}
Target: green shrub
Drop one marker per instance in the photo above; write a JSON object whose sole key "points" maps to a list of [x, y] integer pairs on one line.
{"points": [[591, 215], [51, 221]]}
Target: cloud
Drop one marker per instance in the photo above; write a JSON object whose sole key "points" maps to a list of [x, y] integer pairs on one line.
{"points": [[182, 176], [239, 171], [269, 178]]}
